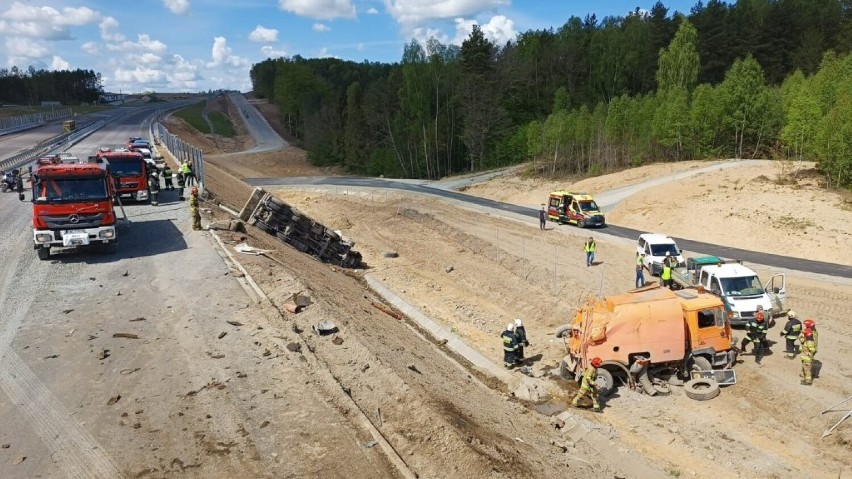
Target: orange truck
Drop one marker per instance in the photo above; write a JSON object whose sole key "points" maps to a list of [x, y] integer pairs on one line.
{"points": [[678, 331]]}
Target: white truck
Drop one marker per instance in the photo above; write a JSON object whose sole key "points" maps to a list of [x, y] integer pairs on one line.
{"points": [[738, 286]]}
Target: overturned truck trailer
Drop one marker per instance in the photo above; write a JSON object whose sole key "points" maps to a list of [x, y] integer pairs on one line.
{"points": [[290, 225]]}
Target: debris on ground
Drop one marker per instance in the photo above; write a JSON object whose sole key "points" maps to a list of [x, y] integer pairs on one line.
{"points": [[337, 341], [125, 335], [222, 335], [113, 399], [103, 354], [246, 249], [324, 328], [234, 323], [19, 460], [390, 254]]}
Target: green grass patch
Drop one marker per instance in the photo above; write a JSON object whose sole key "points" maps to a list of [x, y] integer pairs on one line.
{"points": [[192, 116], [221, 124], [29, 110]]}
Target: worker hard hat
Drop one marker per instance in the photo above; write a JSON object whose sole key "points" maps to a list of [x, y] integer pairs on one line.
{"points": [[809, 323], [791, 314], [668, 253], [596, 362], [194, 191], [510, 327], [518, 322], [759, 318]]}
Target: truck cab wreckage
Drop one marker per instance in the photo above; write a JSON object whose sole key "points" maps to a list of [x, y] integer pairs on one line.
{"points": [[293, 227]]}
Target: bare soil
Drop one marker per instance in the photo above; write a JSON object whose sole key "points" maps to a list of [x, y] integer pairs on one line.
{"points": [[475, 270]]}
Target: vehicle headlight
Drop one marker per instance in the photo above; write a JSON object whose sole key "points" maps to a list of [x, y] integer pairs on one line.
{"points": [[106, 234], [44, 237]]}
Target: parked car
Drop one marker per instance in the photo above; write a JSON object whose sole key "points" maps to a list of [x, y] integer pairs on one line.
{"points": [[655, 246]]}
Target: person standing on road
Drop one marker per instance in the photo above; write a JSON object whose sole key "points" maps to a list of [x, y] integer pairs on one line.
{"points": [[154, 187], [510, 344], [521, 340], [809, 350], [810, 324], [792, 331], [588, 385], [755, 333], [193, 209], [181, 183], [666, 272], [542, 218], [167, 175], [640, 272], [590, 247]]}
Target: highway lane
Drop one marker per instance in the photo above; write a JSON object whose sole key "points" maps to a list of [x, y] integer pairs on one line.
{"points": [[265, 138], [778, 261], [11, 145]]}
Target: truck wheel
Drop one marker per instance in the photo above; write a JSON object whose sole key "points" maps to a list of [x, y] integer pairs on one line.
{"points": [[605, 382], [700, 363], [264, 227], [110, 248], [561, 330], [43, 253], [702, 389], [581, 223]]}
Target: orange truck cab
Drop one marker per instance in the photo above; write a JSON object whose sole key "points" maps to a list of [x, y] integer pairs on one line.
{"points": [[678, 331], [130, 169], [576, 208], [72, 205]]}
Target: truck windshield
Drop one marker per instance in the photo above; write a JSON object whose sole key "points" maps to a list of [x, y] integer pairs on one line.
{"points": [[742, 286], [126, 168], [589, 206], [662, 249], [72, 189]]}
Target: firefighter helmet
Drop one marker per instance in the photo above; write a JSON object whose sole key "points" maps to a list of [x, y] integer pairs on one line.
{"points": [[596, 362], [809, 323], [808, 332], [791, 314], [518, 322], [510, 327]]}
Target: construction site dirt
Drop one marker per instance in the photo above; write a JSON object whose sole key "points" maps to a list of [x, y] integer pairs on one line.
{"points": [[474, 270]]}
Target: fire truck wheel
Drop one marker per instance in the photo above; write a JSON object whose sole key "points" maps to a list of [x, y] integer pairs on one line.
{"points": [[700, 363], [702, 389], [110, 248], [43, 253]]}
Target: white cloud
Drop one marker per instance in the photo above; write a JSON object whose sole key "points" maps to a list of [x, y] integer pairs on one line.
{"points": [[22, 51], [91, 48], [59, 64], [413, 13], [499, 30], [182, 74], [47, 23], [144, 44], [319, 9], [264, 35], [149, 58], [107, 27], [372, 11], [178, 7], [138, 75], [272, 52], [224, 56], [320, 27]]}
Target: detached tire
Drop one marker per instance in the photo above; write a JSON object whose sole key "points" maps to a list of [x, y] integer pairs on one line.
{"points": [[701, 389], [561, 330], [605, 382], [700, 363]]}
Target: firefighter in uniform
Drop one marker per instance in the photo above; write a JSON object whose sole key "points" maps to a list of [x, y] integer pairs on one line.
{"points": [[154, 187], [510, 344], [588, 386], [810, 324], [167, 175], [193, 209], [755, 333], [590, 247], [809, 350], [791, 333], [521, 339]]}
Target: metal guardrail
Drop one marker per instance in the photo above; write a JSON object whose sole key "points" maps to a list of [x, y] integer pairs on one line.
{"points": [[182, 151], [18, 123], [64, 140]]}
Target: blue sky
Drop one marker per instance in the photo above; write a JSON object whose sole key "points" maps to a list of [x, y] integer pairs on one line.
{"points": [[195, 45]]}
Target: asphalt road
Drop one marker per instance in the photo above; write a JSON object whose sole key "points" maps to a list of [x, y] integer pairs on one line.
{"points": [[818, 267], [265, 138]]}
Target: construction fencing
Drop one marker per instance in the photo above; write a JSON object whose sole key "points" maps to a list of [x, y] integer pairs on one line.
{"points": [[182, 151], [18, 123]]}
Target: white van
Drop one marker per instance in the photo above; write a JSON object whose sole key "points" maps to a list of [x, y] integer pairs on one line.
{"points": [[655, 246]]}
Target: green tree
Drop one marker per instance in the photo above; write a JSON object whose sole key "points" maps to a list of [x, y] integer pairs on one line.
{"points": [[679, 62], [745, 100]]}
